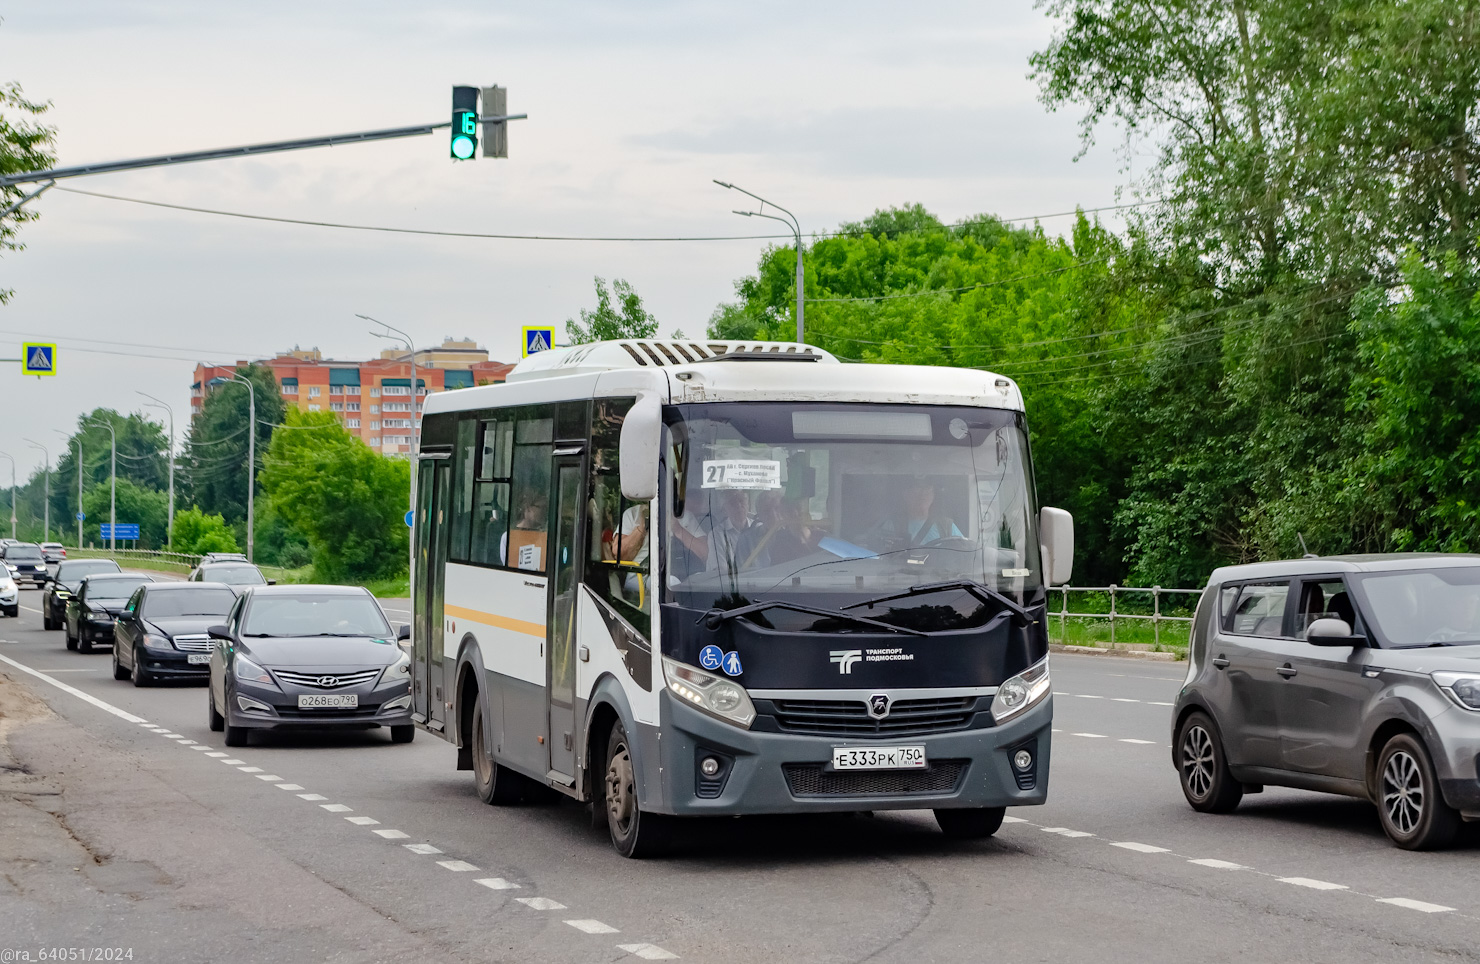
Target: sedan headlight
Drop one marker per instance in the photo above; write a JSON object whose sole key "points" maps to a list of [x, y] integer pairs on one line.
{"points": [[99, 615], [1463, 688], [715, 695], [1024, 690], [397, 672], [251, 672]]}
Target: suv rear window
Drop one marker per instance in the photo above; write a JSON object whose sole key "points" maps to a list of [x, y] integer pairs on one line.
{"points": [[1259, 609]]}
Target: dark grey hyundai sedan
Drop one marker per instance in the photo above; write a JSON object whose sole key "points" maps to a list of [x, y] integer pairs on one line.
{"points": [[295, 656], [1357, 675]]}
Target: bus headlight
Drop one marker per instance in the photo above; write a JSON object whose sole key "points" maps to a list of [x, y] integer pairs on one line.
{"points": [[1024, 690], [715, 695]]}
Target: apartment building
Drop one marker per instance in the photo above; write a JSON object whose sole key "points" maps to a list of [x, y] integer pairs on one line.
{"points": [[372, 399]]}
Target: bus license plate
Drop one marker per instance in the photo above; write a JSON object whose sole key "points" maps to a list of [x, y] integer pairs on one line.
{"points": [[197, 659], [878, 757], [307, 702]]}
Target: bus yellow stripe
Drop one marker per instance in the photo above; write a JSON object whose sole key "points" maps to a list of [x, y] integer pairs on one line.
{"points": [[502, 622]]}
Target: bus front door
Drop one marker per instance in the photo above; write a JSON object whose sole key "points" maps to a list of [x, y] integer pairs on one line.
{"points": [[562, 662], [432, 482]]}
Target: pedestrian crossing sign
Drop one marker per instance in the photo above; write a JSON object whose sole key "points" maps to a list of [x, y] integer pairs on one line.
{"points": [[38, 359], [538, 339]]}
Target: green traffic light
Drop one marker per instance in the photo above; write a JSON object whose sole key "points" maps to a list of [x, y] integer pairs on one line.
{"points": [[463, 147]]}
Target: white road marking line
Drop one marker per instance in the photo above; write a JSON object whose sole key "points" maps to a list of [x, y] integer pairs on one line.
{"points": [[85, 697], [269, 777], [540, 903], [1312, 884], [1058, 731], [250, 769], [216, 754], [1417, 905], [233, 763], [362, 821], [1122, 699], [312, 796], [1061, 693], [1140, 848], [1065, 832], [392, 834], [1086, 696], [421, 848], [337, 808], [593, 927], [648, 952], [184, 742], [200, 746], [1154, 703], [1092, 736], [167, 735], [457, 866], [1217, 864], [289, 786], [1142, 742], [1013, 820], [58, 669], [152, 726], [494, 883]]}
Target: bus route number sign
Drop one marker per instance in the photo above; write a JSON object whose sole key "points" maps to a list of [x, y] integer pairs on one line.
{"points": [[742, 474]]}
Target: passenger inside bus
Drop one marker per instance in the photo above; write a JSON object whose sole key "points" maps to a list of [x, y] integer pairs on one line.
{"points": [[724, 538]]}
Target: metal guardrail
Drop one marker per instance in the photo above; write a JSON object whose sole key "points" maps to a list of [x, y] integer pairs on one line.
{"points": [[1156, 617], [185, 560]]}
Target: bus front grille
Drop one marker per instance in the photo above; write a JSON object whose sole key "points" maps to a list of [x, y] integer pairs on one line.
{"points": [[816, 780], [851, 718]]}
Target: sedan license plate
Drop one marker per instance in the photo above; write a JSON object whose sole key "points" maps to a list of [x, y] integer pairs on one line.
{"points": [[878, 757], [308, 702], [197, 659]]}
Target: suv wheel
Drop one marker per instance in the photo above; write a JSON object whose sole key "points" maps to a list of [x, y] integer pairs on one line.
{"points": [[1203, 769], [1413, 813]]}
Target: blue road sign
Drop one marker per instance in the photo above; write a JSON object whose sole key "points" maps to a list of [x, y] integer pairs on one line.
{"points": [[38, 359], [732, 664], [538, 339], [410, 517], [710, 657], [81, 516], [126, 530]]}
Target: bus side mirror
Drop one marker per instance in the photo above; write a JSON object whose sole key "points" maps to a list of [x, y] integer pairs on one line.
{"points": [[637, 455], [1056, 535]]}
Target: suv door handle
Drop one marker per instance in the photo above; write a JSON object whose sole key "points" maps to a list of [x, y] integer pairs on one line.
{"points": [[1220, 661], [1287, 671]]}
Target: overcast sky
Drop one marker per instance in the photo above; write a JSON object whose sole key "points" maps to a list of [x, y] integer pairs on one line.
{"points": [[831, 109]]}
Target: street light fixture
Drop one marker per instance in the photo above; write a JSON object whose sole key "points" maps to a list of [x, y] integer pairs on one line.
{"points": [[415, 398], [790, 221], [251, 457], [46, 492], [112, 480], [170, 535]]}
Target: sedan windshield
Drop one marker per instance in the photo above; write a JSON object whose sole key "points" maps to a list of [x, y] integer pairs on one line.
{"points": [[777, 500], [1424, 607], [234, 575], [306, 614], [189, 602], [113, 590], [71, 573], [23, 554]]}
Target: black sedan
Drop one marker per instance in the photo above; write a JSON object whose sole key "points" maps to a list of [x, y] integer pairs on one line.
{"points": [[64, 584], [161, 633], [25, 561], [296, 656], [97, 602]]}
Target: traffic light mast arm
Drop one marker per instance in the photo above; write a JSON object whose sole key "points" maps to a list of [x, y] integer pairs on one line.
{"points": [[333, 140]]}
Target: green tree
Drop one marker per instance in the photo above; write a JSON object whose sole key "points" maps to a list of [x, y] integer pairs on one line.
{"points": [[618, 314], [146, 508], [143, 459], [347, 500], [214, 465], [25, 145], [197, 533]]}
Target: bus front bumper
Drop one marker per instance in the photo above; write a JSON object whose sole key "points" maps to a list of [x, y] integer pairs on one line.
{"points": [[791, 773]]}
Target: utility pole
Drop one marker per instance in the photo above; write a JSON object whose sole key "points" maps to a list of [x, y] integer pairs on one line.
{"points": [[251, 458], [46, 497], [79, 481], [113, 483], [12, 495], [790, 221], [170, 525]]}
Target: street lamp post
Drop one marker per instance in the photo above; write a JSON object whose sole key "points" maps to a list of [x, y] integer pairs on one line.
{"points": [[112, 482], [46, 492], [790, 221], [251, 458], [415, 398], [12, 495], [171, 523], [79, 481]]}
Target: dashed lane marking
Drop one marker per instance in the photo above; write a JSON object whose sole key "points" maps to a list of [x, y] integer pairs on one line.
{"points": [[217, 754], [337, 808], [269, 777], [184, 742], [1013, 820], [1065, 832], [648, 952], [362, 821], [392, 834], [312, 796], [421, 848], [233, 762], [1155, 703], [1417, 905], [1217, 864], [1142, 742], [1312, 884], [289, 786], [457, 866], [1086, 696], [250, 769], [1140, 848], [1092, 736], [1123, 699], [200, 746], [592, 927], [540, 903], [494, 883]]}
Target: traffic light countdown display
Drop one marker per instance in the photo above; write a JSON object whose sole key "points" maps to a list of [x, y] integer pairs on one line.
{"points": [[464, 123]]}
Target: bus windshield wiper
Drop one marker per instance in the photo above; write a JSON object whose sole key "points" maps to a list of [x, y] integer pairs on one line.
{"points": [[982, 592], [717, 617]]}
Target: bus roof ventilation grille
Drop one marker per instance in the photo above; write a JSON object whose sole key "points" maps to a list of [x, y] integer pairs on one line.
{"points": [[658, 353]]}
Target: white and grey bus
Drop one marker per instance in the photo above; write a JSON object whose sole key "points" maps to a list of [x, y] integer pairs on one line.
{"points": [[675, 578]]}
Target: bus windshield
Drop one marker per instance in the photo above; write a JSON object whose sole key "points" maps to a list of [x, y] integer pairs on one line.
{"points": [[787, 500]]}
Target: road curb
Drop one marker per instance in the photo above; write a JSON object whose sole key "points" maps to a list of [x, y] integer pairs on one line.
{"points": [[1100, 651]]}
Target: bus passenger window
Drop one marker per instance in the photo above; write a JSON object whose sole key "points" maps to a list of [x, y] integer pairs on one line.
{"points": [[490, 522], [525, 545], [619, 541]]}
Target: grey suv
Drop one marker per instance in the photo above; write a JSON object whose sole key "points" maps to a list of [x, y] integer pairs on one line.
{"points": [[1357, 675]]}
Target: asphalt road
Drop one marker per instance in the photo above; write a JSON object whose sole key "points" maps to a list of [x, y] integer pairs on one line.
{"points": [[129, 832]]}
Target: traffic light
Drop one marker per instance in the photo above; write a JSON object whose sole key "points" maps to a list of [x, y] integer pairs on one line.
{"points": [[495, 133], [464, 123]]}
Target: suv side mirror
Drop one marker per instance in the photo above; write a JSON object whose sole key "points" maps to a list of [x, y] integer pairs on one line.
{"points": [[1333, 632], [1056, 537], [272, 582], [642, 437], [219, 632]]}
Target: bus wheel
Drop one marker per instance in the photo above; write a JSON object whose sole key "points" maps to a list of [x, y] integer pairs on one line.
{"points": [[496, 785], [972, 823], [634, 833]]}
